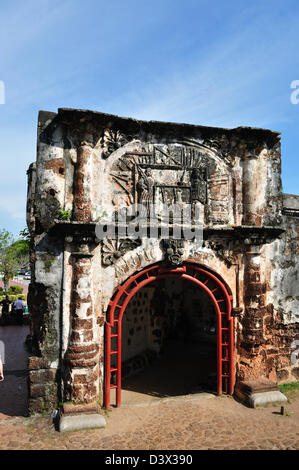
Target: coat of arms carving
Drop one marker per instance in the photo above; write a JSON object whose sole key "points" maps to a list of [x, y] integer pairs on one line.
{"points": [[160, 176]]}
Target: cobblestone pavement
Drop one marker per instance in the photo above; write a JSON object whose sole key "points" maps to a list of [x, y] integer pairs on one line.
{"points": [[185, 423]]}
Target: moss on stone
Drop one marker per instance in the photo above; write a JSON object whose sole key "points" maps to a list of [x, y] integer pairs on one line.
{"points": [[48, 259]]}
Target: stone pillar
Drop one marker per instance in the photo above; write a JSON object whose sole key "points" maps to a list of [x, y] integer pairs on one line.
{"points": [[83, 184], [256, 375], [252, 190], [254, 300], [82, 355], [252, 322]]}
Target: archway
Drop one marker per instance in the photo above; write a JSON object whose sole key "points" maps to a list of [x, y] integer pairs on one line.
{"points": [[211, 283]]}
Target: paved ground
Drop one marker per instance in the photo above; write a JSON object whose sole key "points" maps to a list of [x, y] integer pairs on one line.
{"points": [[193, 422], [13, 391]]}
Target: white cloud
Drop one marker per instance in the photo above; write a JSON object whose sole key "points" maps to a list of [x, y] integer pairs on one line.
{"points": [[14, 206], [236, 81]]}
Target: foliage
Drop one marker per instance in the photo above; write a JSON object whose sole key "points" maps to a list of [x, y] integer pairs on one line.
{"points": [[25, 235], [64, 215], [15, 290], [13, 254], [8, 264], [12, 297], [6, 239], [21, 247]]}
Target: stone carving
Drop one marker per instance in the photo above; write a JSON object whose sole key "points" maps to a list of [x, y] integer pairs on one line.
{"points": [[174, 251], [222, 250], [115, 249], [161, 175], [82, 246], [199, 187], [145, 190], [111, 141], [221, 147], [133, 261]]}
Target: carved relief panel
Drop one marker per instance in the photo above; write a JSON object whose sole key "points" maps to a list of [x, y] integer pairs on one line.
{"points": [[160, 176], [164, 175]]}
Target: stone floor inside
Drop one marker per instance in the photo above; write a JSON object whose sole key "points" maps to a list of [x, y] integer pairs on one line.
{"points": [[185, 367]]}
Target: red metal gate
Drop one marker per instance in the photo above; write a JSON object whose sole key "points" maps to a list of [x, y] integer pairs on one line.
{"points": [[204, 279]]}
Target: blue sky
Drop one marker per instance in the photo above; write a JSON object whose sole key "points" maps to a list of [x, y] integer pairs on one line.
{"points": [[221, 63]]}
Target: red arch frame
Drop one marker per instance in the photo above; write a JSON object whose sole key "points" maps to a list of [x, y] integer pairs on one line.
{"points": [[204, 278]]}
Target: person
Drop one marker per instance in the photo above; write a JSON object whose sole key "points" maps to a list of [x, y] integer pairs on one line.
{"points": [[145, 188], [1, 371], [5, 305], [19, 309]]}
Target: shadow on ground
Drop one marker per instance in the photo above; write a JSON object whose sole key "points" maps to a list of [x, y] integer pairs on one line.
{"points": [[14, 388]]}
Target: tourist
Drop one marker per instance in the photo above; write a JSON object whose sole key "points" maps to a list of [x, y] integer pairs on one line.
{"points": [[1, 371], [5, 306], [19, 309]]}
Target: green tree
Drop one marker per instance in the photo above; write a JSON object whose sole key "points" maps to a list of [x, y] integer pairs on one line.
{"points": [[6, 239], [25, 236], [7, 265], [13, 254]]}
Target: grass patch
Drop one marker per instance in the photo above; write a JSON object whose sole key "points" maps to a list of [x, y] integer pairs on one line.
{"points": [[289, 389]]}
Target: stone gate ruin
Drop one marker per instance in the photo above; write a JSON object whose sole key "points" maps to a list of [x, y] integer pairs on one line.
{"points": [[103, 307]]}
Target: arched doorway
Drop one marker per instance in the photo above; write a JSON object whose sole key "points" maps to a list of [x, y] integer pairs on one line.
{"points": [[206, 279]]}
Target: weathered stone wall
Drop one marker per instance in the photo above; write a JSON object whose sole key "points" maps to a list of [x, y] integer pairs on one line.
{"points": [[283, 281], [284, 272], [90, 165], [44, 301], [75, 174]]}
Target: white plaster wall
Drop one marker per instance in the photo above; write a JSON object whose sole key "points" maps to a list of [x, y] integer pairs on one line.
{"points": [[283, 273]]}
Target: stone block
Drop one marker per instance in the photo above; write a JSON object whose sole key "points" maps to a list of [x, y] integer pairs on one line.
{"points": [[37, 390], [88, 408], [263, 384], [266, 398], [82, 324], [259, 392], [83, 421], [42, 376], [35, 363], [80, 379]]}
